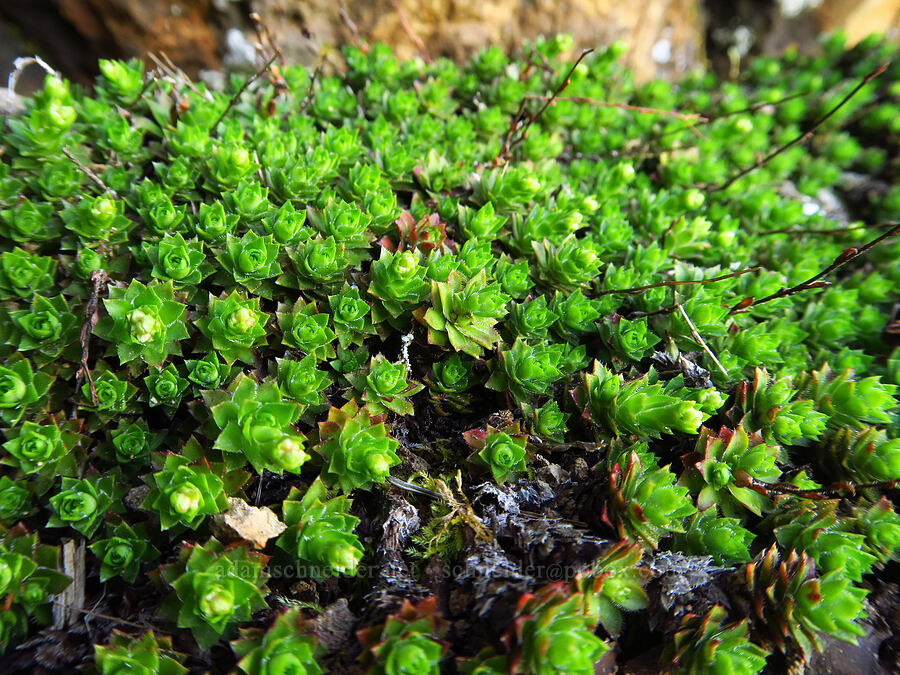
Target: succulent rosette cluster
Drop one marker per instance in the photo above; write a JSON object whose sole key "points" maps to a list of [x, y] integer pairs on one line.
{"points": [[183, 492], [233, 326], [554, 633], [29, 579], [383, 386], [526, 371], [303, 381], [123, 550], [107, 393], [306, 329], [20, 388], [214, 588], [636, 407], [47, 327], [722, 466], [398, 283], [34, 446], [144, 322], [320, 536], [448, 383], [288, 646], [255, 420], [81, 503], [219, 306], [145, 654], [250, 260], [615, 584], [177, 260], [707, 645], [408, 642], [350, 317], [645, 502], [23, 273], [464, 313], [208, 372], [318, 263], [356, 448], [793, 605], [502, 452]]}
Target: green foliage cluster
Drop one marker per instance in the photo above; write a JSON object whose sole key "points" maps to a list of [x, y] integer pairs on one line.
{"points": [[407, 642], [207, 293]]}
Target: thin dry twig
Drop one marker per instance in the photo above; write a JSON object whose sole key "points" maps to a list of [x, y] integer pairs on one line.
{"points": [[840, 490], [839, 230], [816, 281], [264, 35], [165, 63], [689, 118], [802, 137], [92, 613], [416, 40], [98, 279], [87, 172], [660, 284], [518, 128], [250, 80], [352, 27], [642, 149], [311, 87], [412, 487], [699, 339]]}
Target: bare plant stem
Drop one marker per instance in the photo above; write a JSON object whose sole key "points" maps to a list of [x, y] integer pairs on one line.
{"points": [[640, 289], [817, 281], [802, 137], [98, 279], [838, 230], [689, 118], [518, 128], [410, 33], [250, 80], [835, 490], [87, 172], [699, 339]]}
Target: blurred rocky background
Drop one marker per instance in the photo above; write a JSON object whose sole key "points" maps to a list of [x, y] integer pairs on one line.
{"points": [[665, 37]]}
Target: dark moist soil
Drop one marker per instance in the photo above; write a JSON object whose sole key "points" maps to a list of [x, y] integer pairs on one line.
{"points": [[545, 529]]}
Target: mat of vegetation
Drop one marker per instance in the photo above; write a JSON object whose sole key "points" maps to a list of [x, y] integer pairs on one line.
{"points": [[510, 367]]}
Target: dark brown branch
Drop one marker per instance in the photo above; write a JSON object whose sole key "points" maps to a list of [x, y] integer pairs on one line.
{"points": [[240, 92], [839, 230], [817, 281], [518, 129], [699, 339], [264, 35], [98, 279], [689, 118], [351, 26], [87, 172], [835, 490], [410, 33], [802, 137], [546, 446], [703, 121], [640, 289]]}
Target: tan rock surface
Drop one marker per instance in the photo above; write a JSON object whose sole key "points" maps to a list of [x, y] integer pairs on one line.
{"points": [[254, 524], [859, 18], [457, 28]]}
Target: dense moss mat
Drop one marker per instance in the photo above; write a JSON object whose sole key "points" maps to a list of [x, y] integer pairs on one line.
{"points": [[514, 366]]}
